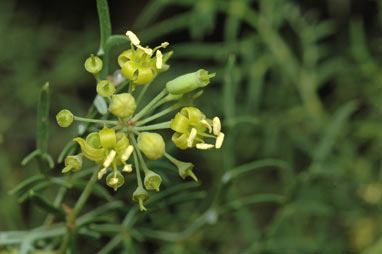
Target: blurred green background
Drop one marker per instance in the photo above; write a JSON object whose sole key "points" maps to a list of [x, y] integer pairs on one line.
{"points": [[299, 90]]}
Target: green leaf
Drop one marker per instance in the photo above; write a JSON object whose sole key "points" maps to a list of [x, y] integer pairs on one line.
{"points": [[229, 175], [42, 132], [26, 183], [45, 205], [334, 130]]}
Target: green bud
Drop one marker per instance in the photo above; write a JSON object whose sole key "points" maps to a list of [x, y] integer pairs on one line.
{"points": [[72, 163], [115, 180], [152, 180], [122, 105], [93, 64], [64, 118], [189, 82], [105, 88], [151, 144], [141, 195]]}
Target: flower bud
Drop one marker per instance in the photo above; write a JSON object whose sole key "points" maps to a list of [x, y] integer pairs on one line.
{"points": [[115, 180], [152, 180], [73, 163], [105, 88], [122, 105], [188, 82], [151, 144], [64, 118], [141, 195], [93, 64]]}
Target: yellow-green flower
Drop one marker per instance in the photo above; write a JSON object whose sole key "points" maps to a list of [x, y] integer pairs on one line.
{"points": [[107, 148], [190, 126], [138, 63]]}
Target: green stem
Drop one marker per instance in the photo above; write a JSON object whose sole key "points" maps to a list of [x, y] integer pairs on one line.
{"points": [[144, 167], [76, 210], [164, 125], [148, 106], [157, 115], [143, 91], [139, 179], [88, 120]]}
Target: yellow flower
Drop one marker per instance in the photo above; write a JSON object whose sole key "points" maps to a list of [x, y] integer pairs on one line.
{"points": [[107, 148], [137, 63], [190, 126]]}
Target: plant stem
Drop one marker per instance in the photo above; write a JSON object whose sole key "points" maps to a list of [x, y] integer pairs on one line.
{"points": [[139, 179], [76, 210], [148, 106], [143, 91], [144, 167], [157, 115], [88, 120], [164, 125]]}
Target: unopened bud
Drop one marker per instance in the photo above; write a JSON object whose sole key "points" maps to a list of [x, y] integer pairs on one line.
{"points": [[188, 82], [151, 144], [122, 105], [64, 118]]}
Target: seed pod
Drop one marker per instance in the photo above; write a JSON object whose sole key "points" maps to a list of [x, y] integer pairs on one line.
{"points": [[151, 144], [188, 82], [122, 105], [64, 118]]}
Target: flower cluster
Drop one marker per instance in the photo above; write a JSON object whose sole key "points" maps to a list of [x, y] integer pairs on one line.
{"points": [[124, 141]]}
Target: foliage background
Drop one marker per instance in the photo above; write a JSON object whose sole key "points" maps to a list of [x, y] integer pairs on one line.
{"points": [[299, 86]]}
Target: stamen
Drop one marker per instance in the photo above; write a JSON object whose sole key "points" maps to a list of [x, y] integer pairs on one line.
{"points": [[216, 125], [126, 155], [191, 138], [159, 59], [148, 51], [219, 140], [113, 181], [101, 173], [207, 125], [165, 44], [204, 146], [127, 168], [109, 158], [133, 38]]}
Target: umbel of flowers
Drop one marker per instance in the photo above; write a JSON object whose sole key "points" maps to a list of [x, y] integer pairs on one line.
{"points": [[125, 140]]}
